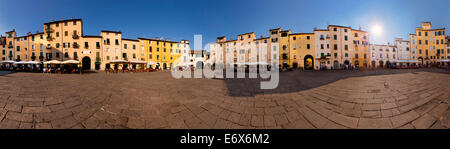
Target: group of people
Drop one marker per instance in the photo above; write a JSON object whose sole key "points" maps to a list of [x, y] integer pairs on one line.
{"points": [[19, 68]]}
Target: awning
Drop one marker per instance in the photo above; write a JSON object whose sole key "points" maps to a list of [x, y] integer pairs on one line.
{"points": [[404, 61], [53, 62], [7, 62], [33, 62], [119, 62], [444, 61], [138, 62], [71, 62], [20, 63]]}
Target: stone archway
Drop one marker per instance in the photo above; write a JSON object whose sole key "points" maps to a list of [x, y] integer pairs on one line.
{"points": [[309, 62], [336, 65], [381, 63], [164, 66], [86, 63], [420, 59], [199, 65]]}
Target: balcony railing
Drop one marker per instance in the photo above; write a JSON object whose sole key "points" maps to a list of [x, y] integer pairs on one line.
{"points": [[76, 46], [10, 46], [49, 30], [49, 47], [98, 47], [49, 38], [75, 36]]}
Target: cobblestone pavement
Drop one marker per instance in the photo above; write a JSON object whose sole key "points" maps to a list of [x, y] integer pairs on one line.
{"points": [[404, 99]]}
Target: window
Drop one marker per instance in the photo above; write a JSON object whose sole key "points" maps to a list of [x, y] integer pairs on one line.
{"points": [[335, 37], [335, 46], [334, 29], [75, 55], [18, 48], [346, 54], [321, 46], [74, 22], [107, 57], [66, 33], [294, 38], [57, 34], [335, 55], [134, 47], [86, 44], [57, 54], [65, 23], [345, 37], [150, 56], [125, 46], [308, 37], [97, 44], [308, 46], [356, 34], [57, 45], [345, 30], [117, 42], [346, 47]]}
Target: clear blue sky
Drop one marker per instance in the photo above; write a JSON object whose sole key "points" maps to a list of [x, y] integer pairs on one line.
{"points": [[181, 19]]}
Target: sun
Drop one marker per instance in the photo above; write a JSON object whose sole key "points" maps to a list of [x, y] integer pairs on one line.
{"points": [[377, 29]]}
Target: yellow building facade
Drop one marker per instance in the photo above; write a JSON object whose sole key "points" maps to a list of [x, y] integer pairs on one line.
{"points": [[64, 40], [427, 44]]}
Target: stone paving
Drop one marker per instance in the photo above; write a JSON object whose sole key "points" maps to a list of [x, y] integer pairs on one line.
{"points": [[406, 99]]}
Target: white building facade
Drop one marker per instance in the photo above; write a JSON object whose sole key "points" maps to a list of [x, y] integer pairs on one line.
{"points": [[403, 51], [382, 55]]}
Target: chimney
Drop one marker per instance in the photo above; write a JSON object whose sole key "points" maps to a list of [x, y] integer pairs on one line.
{"points": [[261, 36]]}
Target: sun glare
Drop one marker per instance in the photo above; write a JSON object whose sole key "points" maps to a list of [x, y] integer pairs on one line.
{"points": [[377, 30]]}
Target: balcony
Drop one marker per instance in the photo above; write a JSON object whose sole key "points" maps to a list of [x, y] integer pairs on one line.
{"points": [[98, 47], [10, 46], [76, 45], [48, 47], [49, 38], [75, 36], [322, 38], [49, 30], [285, 57], [117, 43]]}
